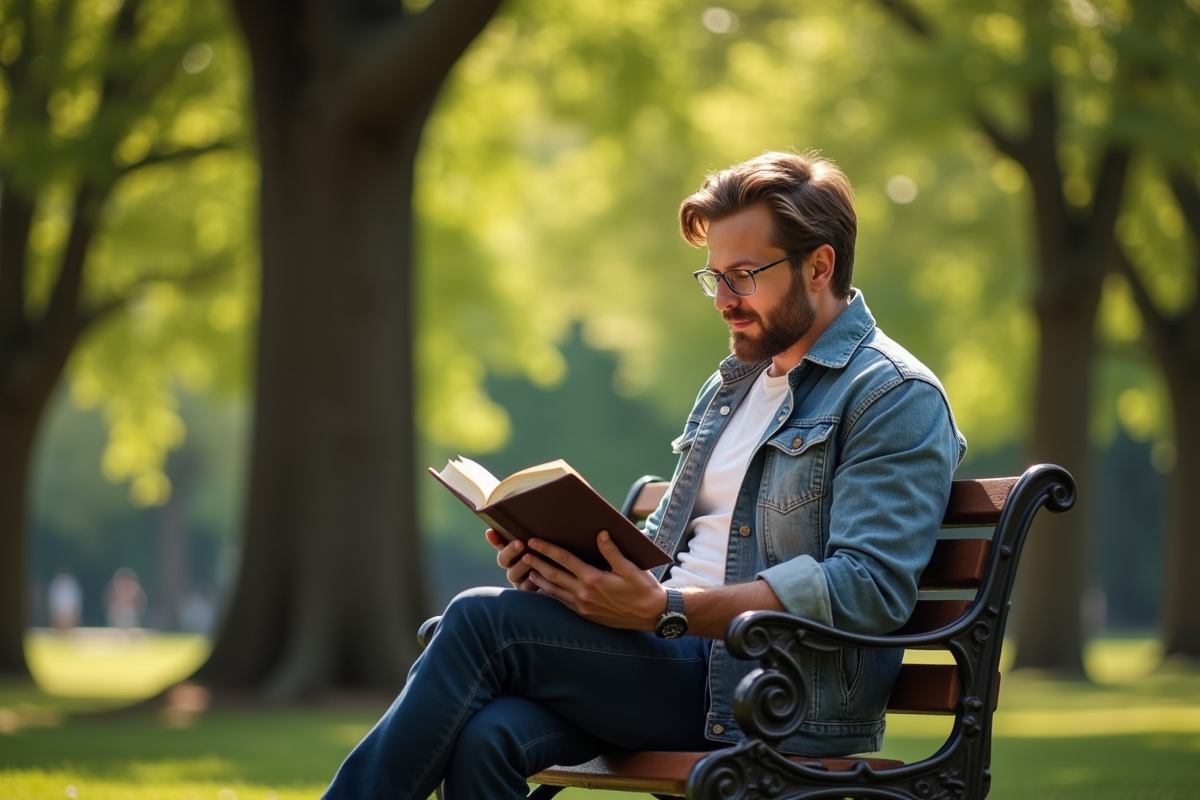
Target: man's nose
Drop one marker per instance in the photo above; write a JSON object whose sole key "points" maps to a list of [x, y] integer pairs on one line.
{"points": [[725, 297]]}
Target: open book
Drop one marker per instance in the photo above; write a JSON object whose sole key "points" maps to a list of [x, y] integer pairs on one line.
{"points": [[549, 501]]}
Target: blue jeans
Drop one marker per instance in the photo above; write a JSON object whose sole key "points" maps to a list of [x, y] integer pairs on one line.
{"points": [[514, 682]]}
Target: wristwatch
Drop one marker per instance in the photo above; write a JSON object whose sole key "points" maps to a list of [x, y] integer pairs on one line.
{"points": [[673, 623]]}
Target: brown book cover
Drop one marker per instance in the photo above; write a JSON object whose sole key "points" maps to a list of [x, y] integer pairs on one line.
{"points": [[569, 513]]}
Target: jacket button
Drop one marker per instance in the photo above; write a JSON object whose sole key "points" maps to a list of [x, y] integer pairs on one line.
{"points": [[797, 441], [724, 410], [744, 530], [718, 729]]}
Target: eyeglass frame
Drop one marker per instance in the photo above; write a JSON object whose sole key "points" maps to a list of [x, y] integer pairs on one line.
{"points": [[723, 276]]}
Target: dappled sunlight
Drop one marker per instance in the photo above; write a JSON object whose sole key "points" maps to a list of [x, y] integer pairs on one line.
{"points": [[101, 662], [39, 784], [180, 770], [1120, 660], [1057, 722], [1126, 697]]}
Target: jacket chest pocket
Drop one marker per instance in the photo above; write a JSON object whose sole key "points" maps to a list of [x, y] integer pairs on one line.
{"points": [[796, 466], [684, 441]]}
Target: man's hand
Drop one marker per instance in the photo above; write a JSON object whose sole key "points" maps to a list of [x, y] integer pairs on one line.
{"points": [[626, 597], [509, 559]]}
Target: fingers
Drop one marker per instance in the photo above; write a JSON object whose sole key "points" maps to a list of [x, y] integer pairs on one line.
{"points": [[495, 539], [612, 554], [552, 552], [508, 558]]}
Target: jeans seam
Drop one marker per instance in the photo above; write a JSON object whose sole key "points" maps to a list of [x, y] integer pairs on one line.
{"points": [[445, 740]]}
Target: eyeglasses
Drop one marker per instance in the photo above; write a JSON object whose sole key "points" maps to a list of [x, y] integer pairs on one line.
{"points": [[739, 281]]}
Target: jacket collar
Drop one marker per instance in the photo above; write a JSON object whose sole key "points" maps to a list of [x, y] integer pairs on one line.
{"points": [[834, 349]]}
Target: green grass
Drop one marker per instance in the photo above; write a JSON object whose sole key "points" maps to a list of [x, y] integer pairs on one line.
{"points": [[1132, 733]]}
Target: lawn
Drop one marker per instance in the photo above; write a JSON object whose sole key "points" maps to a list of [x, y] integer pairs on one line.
{"points": [[1131, 733]]}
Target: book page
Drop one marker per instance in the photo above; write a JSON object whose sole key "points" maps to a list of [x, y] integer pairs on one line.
{"points": [[470, 478], [528, 478]]}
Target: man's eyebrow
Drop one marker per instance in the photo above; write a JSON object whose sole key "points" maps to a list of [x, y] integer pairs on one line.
{"points": [[742, 264]]}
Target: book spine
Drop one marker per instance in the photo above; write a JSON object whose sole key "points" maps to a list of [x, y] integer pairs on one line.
{"points": [[502, 523]]}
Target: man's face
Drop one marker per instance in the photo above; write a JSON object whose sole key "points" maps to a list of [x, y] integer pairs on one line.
{"points": [[780, 312]]}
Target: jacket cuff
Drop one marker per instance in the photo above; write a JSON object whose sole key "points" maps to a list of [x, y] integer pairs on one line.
{"points": [[801, 587]]}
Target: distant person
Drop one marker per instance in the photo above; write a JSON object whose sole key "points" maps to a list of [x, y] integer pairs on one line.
{"points": [[66, 601], [124, 600], [196, 612]]}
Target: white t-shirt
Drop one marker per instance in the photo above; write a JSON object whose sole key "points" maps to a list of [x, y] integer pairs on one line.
{"points": [[703, 562]]}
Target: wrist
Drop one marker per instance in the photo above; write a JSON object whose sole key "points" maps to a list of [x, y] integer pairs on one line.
{"points": [[674, 622]]}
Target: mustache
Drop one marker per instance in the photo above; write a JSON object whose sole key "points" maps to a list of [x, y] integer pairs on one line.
{"points": [[739, 315]]}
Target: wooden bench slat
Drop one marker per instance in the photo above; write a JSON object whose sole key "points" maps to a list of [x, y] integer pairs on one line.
{"points": [[976, 502], [929, 615], [956, 564], [925, 689], [662, 772], [648, 499]]}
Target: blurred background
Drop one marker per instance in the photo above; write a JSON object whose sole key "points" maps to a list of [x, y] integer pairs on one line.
{"points": [[261, 265]]}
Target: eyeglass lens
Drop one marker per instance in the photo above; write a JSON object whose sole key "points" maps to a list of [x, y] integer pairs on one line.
{"points": [[740, 281]]}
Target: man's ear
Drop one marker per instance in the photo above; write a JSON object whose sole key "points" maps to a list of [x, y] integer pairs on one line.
{"points": [[821, 263]]}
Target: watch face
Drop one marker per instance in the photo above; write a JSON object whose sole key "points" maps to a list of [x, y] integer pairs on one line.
{"points": [[672, 625], [673, 629]]}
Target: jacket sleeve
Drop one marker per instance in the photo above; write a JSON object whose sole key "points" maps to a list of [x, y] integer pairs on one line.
{"points": [[889, 491]]}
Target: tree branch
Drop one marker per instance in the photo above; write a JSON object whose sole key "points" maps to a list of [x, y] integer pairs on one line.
{"points": [[1110, 188], [62, 312], [196, 277], [182, 154], [908, 17], [18, 70], [397, 66], [1187, 195], [1006, 144], [1160, 327], [16, 218]]}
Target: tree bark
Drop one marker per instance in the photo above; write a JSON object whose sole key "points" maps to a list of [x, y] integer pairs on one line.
{"points": [[33, 353], [1074, 253], [1175, 342], [16, 446], [1181, 595], [1055, 567], [331, 587]]}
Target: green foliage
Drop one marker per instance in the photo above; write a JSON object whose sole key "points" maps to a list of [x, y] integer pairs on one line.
{"points": [[121, 128], [568, 135], [550, 174]]}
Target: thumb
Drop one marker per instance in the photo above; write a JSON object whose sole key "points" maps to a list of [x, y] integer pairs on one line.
{"points": [[612, 554]]}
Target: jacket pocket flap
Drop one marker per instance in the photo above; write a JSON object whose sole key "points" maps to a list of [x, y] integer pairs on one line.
{"points": [[685, 439], [798, 436]]}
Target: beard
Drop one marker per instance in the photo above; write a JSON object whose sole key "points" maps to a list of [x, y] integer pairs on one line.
{"points": [[783, 327]]}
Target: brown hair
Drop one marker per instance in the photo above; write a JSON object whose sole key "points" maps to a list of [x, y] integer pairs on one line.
{"points": [[809, 198]]}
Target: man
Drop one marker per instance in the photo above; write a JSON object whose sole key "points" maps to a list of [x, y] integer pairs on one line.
{"points": [[813, 472]]}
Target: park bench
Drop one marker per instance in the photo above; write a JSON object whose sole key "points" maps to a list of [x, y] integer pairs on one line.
{"points": [[962, 609]]}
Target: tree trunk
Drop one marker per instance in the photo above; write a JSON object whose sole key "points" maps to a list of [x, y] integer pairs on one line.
{"points": [[17, 427], [331, 588], [1056, 564], [1074, 253], [332, 577], [33, 353], [1181, 595]]}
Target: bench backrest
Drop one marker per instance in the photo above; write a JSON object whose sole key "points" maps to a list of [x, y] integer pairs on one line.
{"points": [[957, 566]]}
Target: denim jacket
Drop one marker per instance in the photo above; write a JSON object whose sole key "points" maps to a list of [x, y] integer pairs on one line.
{"points": [[839, 511]]}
